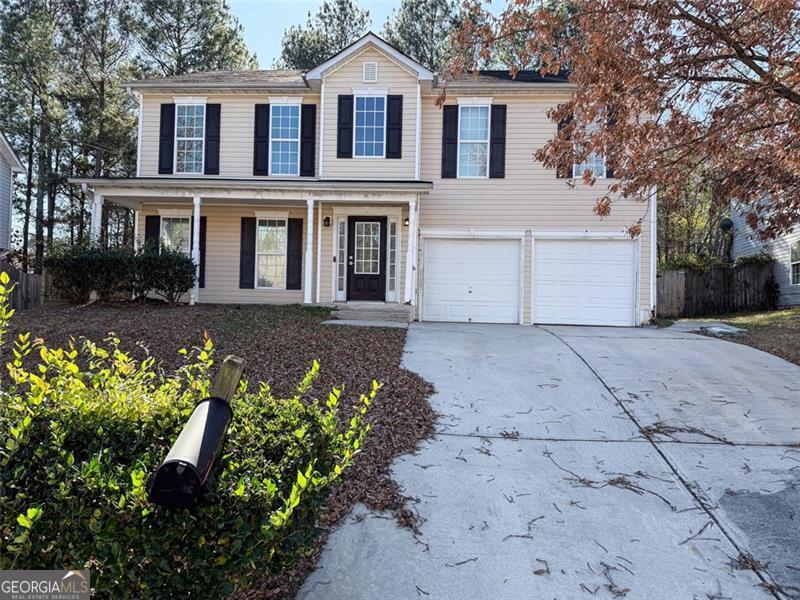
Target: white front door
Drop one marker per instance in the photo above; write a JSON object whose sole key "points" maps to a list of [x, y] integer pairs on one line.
{"points": [[584, 282], [469, 280]]}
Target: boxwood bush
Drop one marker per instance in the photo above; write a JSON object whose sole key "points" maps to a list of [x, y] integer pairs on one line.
{"points": [[84, 429]]}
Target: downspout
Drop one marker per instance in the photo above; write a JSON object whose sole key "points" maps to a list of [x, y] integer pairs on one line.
{"points": [[653, 249], [417, 145]]}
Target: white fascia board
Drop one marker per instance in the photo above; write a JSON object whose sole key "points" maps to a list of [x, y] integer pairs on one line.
{"points": [[370, 38], [11, 156]]}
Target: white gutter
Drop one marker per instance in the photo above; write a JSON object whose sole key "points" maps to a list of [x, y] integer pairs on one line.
{"points": [[321, 126], [419, 115], [139, 134]]}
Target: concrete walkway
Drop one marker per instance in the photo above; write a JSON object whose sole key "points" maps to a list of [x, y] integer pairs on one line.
{"points": [[541, 484]]}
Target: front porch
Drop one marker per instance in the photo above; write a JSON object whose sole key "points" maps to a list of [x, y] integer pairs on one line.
{"points": [[330, 243]]}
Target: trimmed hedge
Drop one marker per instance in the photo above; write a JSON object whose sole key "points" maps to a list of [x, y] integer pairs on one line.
{"points": [[85, 268], [84, 431]]}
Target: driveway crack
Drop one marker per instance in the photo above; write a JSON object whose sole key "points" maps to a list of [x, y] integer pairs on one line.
{"points": [[702, 502]]}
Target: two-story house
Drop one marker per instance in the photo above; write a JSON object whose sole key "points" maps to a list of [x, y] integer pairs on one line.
{"points": [[347, 183]]}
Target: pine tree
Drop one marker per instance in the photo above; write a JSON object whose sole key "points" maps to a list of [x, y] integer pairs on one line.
{"points": [[337, 25], [423, 29]]}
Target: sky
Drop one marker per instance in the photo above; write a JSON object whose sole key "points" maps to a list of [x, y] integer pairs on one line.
{"points": [[264, 21]]}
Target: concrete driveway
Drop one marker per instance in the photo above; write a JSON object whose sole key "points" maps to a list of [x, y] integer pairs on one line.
{"points": [[577, 462]]}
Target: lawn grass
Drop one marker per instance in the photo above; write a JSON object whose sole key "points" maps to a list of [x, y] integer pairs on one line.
{"points": [[776, 331], [278, 345]]}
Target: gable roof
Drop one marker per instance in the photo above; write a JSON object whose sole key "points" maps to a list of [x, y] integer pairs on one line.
{"points": [[11, 156], [370, 39]]}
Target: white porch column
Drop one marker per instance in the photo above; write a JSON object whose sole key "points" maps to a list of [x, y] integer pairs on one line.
{"points": [[195, 293], [135, 230], [410, 295], [307, 282], [97, 217]]}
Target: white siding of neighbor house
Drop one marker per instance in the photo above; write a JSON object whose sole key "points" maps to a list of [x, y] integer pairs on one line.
{"points": [[746, 243], [237, 116], [392, 78], [6, 186], [530, 197]]}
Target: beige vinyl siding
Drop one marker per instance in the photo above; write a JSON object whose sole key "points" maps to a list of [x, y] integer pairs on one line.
{"points": [[6, 185], [530, 197], [237, 114], [223, 232], [344, 80]]}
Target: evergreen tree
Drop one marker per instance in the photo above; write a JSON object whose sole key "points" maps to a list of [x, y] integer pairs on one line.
{"points": [[175, 37], [423, 30], [337, 25]]}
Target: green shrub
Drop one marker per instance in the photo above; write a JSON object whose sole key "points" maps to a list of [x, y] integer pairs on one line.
{"points": [[170, 274], [692, 262], [83, 432], [762, 258], [85, 268]]}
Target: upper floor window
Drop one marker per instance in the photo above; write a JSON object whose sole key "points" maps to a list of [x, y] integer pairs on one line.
{"points": [[370, 129], [473, 141], [795, 258], [189, 137], [285, 139], [176, 233], [594, 162]]}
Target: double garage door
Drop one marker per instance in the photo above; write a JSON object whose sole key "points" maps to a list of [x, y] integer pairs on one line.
{"points": [[578, 282]]}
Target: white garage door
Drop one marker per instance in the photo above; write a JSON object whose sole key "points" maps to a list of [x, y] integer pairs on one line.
{"points": [[584, 282], [472, 281]]}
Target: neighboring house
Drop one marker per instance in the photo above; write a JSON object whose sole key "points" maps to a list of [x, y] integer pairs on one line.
{"points": [[784, 249], [9, 166], [348, 183]]}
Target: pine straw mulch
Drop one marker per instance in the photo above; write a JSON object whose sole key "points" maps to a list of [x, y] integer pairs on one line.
{"points": [[278, 345]]}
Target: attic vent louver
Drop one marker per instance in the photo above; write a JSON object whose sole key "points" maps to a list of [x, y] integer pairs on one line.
{"points": [[370, 72]]}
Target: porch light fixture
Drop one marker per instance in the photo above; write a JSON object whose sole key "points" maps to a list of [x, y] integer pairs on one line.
{"points": [[405, 222], [326, 221]]}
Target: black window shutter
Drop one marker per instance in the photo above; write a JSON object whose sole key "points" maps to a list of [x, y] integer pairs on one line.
{"points": [[247, 253], [394, 127], [308, 134], [212, 139], [564, 170], [152, 233], [497, 142], [261, 141], [166, 139], [449, 141], [344, 127], [294, 255], [610, 123]]}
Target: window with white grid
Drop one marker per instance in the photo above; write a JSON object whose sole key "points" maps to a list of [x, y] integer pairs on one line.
{"points": [[370, 121], [341, 256], [368, 248], [392, 254], [285, 139], [795, 258], [189, 137], [176, 234], [594, 162], [473, 141], [271, 253]]}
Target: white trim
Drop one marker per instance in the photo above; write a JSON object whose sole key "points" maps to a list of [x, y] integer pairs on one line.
{"points": [[336, 295], [175, 143], [488, 141], [135, 230], [320, 146], [483, 235], [285, 99], [271, 214], [139, 135], [11, 156], [194, 295], [190, 100], [474, 100], [391, 296], [417, 142], [409, 294], [653, 251], [97, 216], [371, 64], [271, 154], [355, 111], [367, 211], [577, 235], [175, 212], [285, 253], [309, 264], [371, 91], [319, 248], [371, 39]]}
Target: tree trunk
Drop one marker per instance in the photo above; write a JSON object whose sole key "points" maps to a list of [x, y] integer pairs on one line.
{"points": [[26, 214], [41, 177]]}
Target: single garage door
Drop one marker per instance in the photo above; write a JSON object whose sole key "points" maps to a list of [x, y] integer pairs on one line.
{"points": [[471, 281], [584, 282]]}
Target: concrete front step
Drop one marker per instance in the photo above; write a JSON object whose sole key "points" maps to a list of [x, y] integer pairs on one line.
{"points": [[373, 312]]}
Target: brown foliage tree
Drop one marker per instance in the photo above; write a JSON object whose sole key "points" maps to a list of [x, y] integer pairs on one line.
{"points": [[675, 88]]}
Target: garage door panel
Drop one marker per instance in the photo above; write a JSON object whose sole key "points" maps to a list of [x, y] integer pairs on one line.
{"points": [[471, 280], [584, 282]]}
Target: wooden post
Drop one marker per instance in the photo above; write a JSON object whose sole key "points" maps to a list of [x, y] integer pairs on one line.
{"points": [[228, 378]]}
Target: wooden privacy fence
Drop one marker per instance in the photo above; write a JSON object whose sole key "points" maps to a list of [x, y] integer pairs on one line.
{"points": [[719, 290], [27, 289]]}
